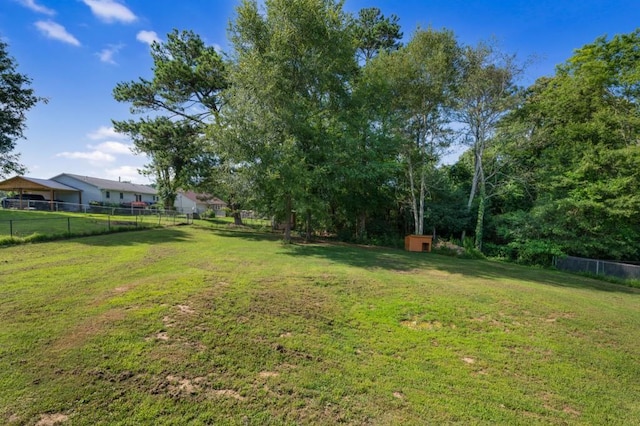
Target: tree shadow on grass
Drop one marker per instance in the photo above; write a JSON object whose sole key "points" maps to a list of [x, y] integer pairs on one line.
{"points": [[133, 237], [241, 232], [373, 258]]}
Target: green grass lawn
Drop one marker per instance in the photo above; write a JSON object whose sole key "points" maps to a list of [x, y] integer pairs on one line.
{"points": [[25, 226], [195, 325]]}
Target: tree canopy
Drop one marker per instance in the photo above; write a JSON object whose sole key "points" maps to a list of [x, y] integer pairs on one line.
{"points": [[16, 98], [327, 121]]}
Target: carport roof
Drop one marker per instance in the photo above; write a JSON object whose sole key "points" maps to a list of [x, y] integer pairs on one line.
{"points": [[23, 183]]}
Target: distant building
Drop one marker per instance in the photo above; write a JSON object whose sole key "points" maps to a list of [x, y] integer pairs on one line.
{"points": [[107, 191], [81, 190], [192, 202]]}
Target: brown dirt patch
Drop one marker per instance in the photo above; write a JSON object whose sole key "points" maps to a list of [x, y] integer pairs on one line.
{"points": [[469, 360], [266, 374], [228, 393], [162, 336], [415, 323], [185, 309], [571, 411], [52, 419], [181, 385], [91, 327]]}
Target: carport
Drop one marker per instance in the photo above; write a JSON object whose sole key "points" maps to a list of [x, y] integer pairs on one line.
{"points": [[23, 185]]}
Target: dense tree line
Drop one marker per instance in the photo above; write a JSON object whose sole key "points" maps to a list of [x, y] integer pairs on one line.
{"points": [[330, 116]]}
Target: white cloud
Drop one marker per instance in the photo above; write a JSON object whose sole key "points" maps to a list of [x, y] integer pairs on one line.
{"points": [[106, 55], [110, 11], [57, 32], [95, 158], [127, 173], [147, 37], [105, 132], [113, 147], [31, 4]]}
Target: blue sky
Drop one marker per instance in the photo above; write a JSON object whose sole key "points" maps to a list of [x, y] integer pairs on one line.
{"points": [[76, 51]]}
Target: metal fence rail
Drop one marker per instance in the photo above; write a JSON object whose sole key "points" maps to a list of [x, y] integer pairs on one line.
{"points": [[598, 267], [59, 206], [84, 224]]}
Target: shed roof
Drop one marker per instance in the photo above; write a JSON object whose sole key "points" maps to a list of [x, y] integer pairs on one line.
{"points": [[24, 183], [202, 198], [111, 185]]}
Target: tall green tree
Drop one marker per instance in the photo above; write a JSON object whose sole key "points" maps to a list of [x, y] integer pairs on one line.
{"points": [[419, 81], [375, 33], [188, 78], [581, 144], [16, 98], [173, 147], [292, 65], [183, 97], [487, 93]]}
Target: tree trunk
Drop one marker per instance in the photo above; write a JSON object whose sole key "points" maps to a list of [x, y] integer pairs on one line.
{"points": [[478, 179], [235, 212], [481, 210], [307, 236], [423, 190], [414, 201], [480, 223], [237, 218], [287, 219]]}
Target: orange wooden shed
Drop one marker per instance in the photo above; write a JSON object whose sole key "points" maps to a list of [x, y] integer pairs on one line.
{"points": [[418, 242]]}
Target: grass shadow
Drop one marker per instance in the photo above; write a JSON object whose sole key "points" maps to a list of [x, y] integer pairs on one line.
{"points": [[372, 258], [133, 237]]}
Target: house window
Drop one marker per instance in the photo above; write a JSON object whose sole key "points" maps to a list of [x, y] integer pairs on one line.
{"points": [[138, 197], [107, 194], [121, 196]]}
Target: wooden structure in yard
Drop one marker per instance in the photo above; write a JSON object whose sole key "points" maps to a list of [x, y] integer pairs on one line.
{"points": [[418, 242], [23, 185]]}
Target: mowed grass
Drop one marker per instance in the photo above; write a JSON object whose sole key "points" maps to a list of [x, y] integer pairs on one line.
{"points": [[190, 325], [24, 226]]}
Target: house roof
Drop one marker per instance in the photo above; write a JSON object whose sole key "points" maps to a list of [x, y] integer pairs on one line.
{"points": [[24, 183], [202, 198], [111, 185]]}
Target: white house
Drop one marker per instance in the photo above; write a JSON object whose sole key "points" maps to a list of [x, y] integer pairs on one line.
{"points": [[104, 190], [192, 202]]}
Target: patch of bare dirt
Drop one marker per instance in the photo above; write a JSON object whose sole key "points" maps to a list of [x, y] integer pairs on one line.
{"points": [[266, 374], [398, 395], [229, 393], [571, 411], [168, 321], [416, 323], [92, 327], [178, 386], [185, 309], [556, 316], [469, 360], [52, 419], [162, 336]]}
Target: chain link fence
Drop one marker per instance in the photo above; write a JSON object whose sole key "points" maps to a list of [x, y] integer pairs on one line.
{"points": [[598, 267], [87, 220]]}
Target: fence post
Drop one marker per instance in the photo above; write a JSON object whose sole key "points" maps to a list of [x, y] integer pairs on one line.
{"points": [[11, 228], [109, 222], [69, 225]]}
